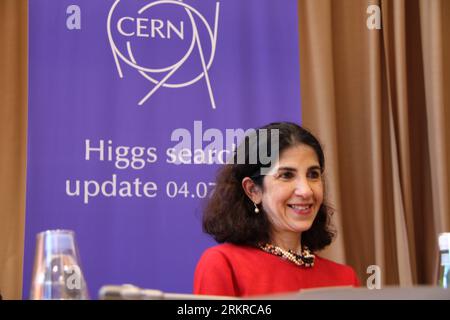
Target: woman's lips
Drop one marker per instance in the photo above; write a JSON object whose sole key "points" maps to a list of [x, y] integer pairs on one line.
{"points": [[303, 209]]}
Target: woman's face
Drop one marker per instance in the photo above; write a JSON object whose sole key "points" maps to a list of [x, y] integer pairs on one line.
{"points": [[292, 195]]}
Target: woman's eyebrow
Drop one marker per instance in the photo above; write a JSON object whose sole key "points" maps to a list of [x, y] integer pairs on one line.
{"points": [[314, 167], [286, 169]]}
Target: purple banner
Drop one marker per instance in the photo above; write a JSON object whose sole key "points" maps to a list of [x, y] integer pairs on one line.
{"points": [[133, 105]]}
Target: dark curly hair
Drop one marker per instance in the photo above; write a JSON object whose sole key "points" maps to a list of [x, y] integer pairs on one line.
{"points": [[229, 215]]}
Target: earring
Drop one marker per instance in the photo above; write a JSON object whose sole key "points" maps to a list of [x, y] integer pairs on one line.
{"points": [[256, 208]]}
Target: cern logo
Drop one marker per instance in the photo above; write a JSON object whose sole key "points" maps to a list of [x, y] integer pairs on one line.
{"points": [[146, 25]]}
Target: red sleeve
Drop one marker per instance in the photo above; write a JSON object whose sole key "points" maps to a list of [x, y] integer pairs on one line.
{"points": [[214, 275]]}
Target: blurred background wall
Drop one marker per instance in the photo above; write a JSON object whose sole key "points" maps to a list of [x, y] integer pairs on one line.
{"points": [[13, 133]]}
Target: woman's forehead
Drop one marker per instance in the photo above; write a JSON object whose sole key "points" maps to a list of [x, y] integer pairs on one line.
{"points": [[298, 154], [298, 157]]}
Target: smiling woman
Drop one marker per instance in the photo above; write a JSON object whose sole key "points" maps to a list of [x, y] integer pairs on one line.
{"points": [[271, 225]]}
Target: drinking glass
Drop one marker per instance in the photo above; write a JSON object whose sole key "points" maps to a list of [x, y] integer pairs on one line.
{"points": [[57, 272]]}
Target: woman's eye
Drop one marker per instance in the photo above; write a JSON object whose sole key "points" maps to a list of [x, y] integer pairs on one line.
{"points": [[314, 174], [286, 175]]}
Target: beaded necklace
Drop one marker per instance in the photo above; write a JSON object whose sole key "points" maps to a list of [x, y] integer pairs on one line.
{"points": [[306, 258]]}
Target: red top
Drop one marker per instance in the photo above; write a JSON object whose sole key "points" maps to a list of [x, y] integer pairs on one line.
{"points": [[233, 270]]}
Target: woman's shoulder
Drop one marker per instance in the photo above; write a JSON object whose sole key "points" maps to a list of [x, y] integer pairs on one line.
{"points": [[232, 254], [327, 263], [332, 267], [228, 249]]}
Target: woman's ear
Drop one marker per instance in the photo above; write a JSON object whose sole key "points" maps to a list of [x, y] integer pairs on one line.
{"points": [[252, 191]]}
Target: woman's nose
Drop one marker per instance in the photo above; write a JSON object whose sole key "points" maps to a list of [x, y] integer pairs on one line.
{"points": [[303, 189]]}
